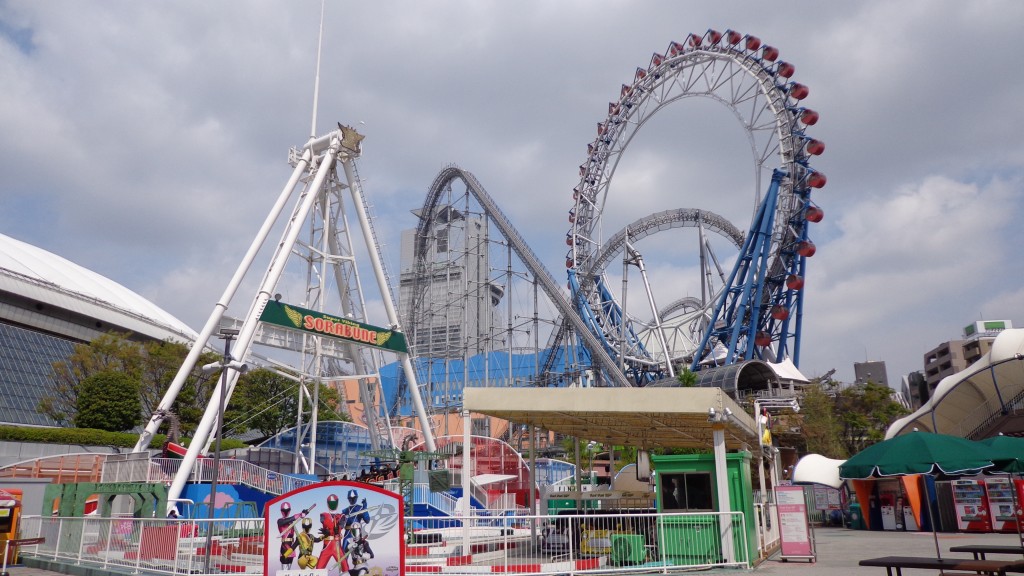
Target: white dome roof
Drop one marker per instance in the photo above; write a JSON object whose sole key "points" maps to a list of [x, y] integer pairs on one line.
{"points": [[34, 273]]}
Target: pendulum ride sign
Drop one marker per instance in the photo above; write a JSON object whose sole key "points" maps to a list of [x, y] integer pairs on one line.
{"points": [[320, 324]]}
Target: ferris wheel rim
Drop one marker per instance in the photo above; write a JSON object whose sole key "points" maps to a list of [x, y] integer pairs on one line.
{"points": [[707, 67], [780, 99]]}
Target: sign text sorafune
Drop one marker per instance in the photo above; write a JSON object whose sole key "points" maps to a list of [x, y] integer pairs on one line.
{"points": [[298, 318]]}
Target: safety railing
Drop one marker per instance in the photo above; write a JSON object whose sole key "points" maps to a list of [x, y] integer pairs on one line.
{"points": [[523, 544], [149, 545], [230, 471], [768, 539]]}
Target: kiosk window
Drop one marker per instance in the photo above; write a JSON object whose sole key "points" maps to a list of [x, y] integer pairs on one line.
{"points": [[686, 492]]}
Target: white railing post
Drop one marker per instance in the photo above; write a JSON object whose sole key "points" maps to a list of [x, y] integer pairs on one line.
{"points": [[110, 532], [60, 530], [81, 540], [138, 551]]}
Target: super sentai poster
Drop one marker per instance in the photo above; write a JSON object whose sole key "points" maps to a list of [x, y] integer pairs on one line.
{"points": [[335, 528]]}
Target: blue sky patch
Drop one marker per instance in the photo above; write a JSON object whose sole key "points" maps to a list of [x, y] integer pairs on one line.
{"points": [[20, 37]]}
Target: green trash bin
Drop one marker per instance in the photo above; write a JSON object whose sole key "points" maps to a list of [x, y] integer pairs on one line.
{"points": [[857, 518]]}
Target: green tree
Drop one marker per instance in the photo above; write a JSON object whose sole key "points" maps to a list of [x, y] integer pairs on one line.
{"points": [[865, 411], [161, 361], [108, 352], [108, 401], [821, 428], [687, 378], [152, 365], [267, 402]]}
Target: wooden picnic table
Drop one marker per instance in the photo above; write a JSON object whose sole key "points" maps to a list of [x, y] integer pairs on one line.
{"points": [[979, 550], [945, 565]]}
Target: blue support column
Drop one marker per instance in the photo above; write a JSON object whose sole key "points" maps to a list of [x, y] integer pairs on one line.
{"points": [[736, 317]]}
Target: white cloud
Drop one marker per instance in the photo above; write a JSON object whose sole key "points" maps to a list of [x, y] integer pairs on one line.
{"points": [[148, 141]]}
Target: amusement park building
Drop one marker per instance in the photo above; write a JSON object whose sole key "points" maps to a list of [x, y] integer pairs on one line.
{"points": [[459, 308], [49, 304], [954, 356], [873, 371]]}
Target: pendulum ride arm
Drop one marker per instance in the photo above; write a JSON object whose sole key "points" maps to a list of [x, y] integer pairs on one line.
{"points": [[306, 201], [378, 269], [222, 305]]}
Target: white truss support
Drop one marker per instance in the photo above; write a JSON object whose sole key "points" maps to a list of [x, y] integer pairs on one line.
{"points": [[222, 305], [355, 188], [245, 337]]}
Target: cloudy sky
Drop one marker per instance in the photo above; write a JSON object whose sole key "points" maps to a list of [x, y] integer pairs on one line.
{"points": [[147, 140]]}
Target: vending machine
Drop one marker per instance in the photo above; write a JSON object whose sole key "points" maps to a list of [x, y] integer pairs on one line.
{"points": [[888, 511], [1003, 507], [971, 509]]}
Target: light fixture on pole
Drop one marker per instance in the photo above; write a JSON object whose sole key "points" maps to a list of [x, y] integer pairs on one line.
{"points": [[227, 363]]}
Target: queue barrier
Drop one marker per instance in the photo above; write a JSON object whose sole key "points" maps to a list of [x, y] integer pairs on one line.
{"points": [[13, 545]]}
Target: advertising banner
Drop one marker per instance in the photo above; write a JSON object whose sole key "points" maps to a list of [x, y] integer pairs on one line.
{"points": [[794, 528], [336, 528], [321, 324]]}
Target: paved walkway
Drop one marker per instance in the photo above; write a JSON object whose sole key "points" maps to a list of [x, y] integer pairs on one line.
{"points": [[839, 550]]}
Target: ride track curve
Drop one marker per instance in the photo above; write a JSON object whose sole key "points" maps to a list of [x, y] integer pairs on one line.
{"points": [[545, 279], [763, 316]]}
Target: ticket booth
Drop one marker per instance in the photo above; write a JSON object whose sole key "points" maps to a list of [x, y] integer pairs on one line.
{"points": [[686, 483], [10, 513]]}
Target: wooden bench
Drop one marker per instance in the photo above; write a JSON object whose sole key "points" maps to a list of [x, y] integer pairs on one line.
{"points": [[979, 550], [945, 565]]}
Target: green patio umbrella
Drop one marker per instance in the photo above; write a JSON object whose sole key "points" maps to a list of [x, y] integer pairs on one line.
{"points": [[919, 453], [1008, 455]]}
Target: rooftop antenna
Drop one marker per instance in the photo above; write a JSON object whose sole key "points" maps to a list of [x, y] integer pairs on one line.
{"points": [[316, 81]]}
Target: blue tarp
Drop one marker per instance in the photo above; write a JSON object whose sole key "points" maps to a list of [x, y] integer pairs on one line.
{"points": [[442, 381]]}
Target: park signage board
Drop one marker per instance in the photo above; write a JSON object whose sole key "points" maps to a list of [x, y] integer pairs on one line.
{"points": [[795, 535], [321, 324]]}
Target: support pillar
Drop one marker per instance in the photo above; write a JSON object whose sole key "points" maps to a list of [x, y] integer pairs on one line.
{"points": [[467, 505], [722, 485]]}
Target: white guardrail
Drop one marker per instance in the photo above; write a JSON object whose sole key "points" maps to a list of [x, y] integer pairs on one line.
{"points": [[230, 471], [519, 544]]}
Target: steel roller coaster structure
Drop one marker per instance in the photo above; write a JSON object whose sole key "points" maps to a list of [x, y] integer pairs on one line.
{"points": [[752, 312], [755, 311]]}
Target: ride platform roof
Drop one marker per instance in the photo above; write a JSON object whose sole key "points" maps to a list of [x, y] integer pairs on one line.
{"points": [[642, 417]]}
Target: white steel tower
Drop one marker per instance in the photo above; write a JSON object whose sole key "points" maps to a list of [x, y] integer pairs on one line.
{"points": [[324, 170]]}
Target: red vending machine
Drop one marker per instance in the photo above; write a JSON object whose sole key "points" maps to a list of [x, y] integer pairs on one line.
{"points": [[1003, 508], [971, 510]]}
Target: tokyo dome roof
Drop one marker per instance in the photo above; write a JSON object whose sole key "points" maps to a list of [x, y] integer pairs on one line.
{"points": [[34, 273]]}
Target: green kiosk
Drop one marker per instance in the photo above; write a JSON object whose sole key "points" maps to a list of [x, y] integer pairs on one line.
{"points": [[686, 483]]}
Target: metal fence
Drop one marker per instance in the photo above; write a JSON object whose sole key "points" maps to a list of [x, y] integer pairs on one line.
{"points": [[592, 543], [124, 468]]}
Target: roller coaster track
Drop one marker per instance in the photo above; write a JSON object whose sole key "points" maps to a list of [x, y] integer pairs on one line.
{"points": [[523, 252], [637, 230]]}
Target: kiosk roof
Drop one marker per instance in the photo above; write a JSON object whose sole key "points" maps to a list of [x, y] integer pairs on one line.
{"points": [[642, 417]]}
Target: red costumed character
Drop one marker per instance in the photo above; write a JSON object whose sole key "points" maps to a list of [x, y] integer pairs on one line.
{"points": [[332, 528]]}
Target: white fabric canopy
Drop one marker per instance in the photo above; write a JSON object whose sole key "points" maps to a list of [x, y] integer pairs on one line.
{"points": [[964, 401], [817, 469], [788, 372]]}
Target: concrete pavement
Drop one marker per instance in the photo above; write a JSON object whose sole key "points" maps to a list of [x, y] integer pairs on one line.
{"points": [[838, 552], [840, 549]]}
